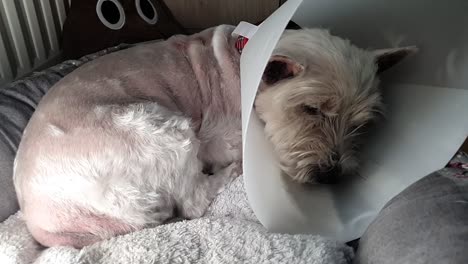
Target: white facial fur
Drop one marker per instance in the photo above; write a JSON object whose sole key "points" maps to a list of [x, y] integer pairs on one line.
{"points": [[318, 94]]}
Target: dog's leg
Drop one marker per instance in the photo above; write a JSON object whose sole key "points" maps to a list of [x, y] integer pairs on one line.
{"points": [[194, 203], [131, 169]]}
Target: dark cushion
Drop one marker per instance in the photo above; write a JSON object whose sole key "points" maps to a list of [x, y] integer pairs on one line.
{"points": [[426, 223], [18, 100], [84, 32]]}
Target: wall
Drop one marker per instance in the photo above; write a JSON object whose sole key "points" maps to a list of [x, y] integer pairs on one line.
{"points": [[200, 14]]}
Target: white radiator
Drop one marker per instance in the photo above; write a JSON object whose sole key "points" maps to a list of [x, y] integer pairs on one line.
{"points": [[30, 33]]}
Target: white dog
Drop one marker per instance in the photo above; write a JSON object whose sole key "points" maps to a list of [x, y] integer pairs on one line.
{"points": [[124, 142]]}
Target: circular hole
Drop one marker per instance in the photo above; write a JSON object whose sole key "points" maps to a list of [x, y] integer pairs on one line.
{"points": [[111, 13], [147, 11]]}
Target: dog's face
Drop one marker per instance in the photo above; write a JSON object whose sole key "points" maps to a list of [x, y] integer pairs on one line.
{"points": [[317, 95]]}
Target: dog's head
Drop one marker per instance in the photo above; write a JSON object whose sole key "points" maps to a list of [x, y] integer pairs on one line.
{"points": [[317, 95]]}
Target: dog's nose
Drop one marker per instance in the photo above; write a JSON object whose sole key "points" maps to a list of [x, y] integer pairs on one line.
{"points": [[329, 175]]}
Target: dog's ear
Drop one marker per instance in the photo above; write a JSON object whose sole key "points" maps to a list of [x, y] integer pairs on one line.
{"points": [[280, 68], [387, 58]]}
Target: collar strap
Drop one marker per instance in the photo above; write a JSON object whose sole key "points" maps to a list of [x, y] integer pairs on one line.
{"points": [[240, 43], [243, 31]]}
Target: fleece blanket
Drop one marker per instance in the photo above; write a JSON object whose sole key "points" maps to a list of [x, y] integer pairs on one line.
{"points": [[228, 233]]}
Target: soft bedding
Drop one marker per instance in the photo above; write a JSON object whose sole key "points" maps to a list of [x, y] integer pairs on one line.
{"points": [[228, 233], [426, 223]]}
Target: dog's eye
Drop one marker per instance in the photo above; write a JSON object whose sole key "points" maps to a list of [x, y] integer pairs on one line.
{"points": [[310, 110]]}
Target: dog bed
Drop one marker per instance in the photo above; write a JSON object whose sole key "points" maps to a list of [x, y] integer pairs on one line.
{"points": [[424, 224]]}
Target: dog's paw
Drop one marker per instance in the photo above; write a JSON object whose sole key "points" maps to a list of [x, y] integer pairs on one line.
{"points": [[234, 170], [227, 175]]}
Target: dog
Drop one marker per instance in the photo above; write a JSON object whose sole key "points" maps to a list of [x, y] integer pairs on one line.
{"points": [[138, 136]]}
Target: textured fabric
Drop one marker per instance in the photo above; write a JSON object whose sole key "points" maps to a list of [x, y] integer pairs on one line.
{"points": [[18, 101], [16, 244], [427, 223], [228, 233], [232, 203]]}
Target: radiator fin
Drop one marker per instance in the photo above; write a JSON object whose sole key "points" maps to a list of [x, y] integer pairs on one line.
{"points": [[30, 32]]}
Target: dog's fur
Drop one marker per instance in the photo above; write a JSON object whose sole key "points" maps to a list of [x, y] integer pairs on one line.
{"points": [[125, 140], [314, 119]]}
